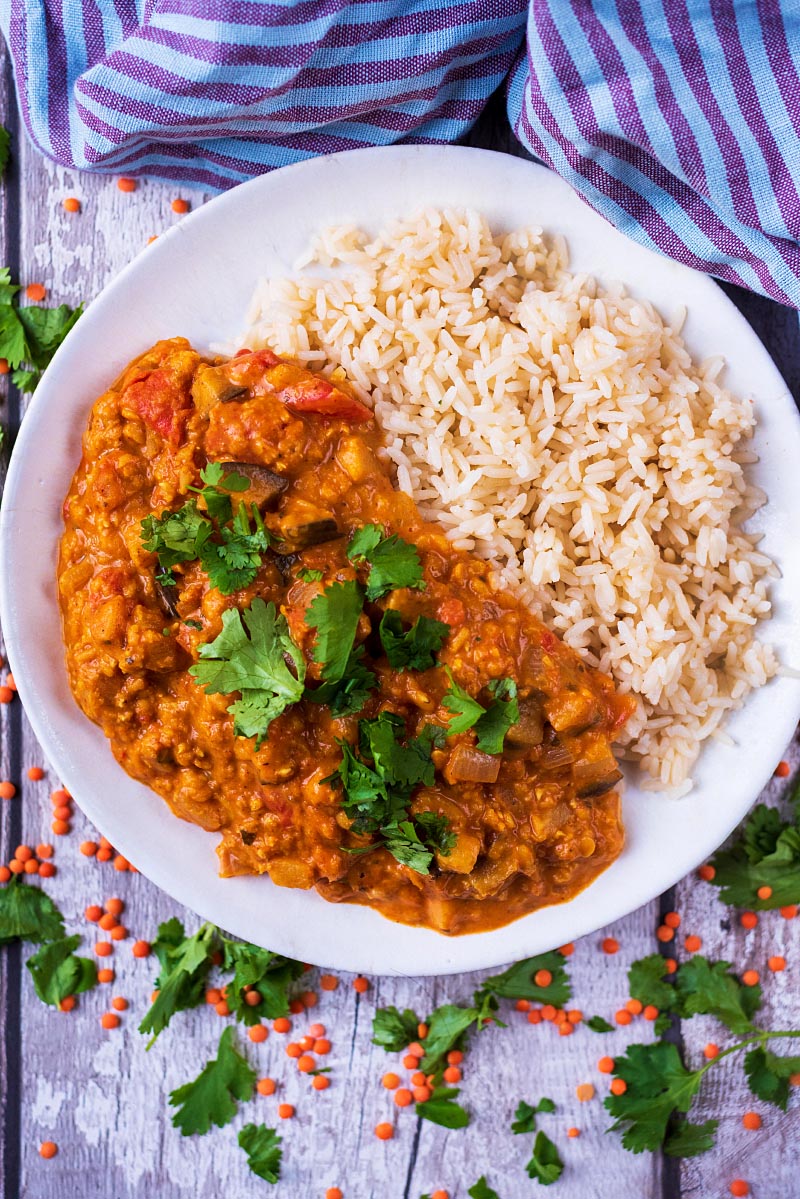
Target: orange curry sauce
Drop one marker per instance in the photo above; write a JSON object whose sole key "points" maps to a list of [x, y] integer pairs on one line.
{"points": [[531, 826]]}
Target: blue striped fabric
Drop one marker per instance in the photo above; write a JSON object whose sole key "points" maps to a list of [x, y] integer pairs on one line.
{"points": [[677, 120]]}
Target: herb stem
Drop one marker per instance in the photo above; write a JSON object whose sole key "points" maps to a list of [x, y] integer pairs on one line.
{"points": [[759, 1038]]}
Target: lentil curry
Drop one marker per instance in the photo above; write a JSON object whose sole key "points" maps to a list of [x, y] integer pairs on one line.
{"points": [[274, 640]]}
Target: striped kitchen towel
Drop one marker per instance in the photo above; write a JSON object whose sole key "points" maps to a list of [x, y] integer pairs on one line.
{"points": [[677, 120]]}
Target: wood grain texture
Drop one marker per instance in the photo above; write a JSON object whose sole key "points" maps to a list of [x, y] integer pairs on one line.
{"points": [[103, 1098]]}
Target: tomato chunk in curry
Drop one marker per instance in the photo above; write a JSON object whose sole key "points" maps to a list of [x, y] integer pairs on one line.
{"points": [[479, 837]]}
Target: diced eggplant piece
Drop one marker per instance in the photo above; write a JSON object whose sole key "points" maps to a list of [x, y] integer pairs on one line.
{"points": [[265, 489], [314, 532], [167, 596], [469, 765], [529, 729], [593, 779], [212, 386], [285, 564]]}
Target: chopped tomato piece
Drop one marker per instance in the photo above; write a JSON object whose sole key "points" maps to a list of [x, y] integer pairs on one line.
{"points": [[321, 397]]}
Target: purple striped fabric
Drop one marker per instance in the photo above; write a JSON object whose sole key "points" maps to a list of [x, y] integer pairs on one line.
{"points": [[677, 120]]}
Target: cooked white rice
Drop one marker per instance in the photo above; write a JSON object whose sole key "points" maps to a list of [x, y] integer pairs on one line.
{"points": [[562, 431]]}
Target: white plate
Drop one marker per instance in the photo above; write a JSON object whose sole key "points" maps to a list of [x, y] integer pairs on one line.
{"points": [[196, 280]]}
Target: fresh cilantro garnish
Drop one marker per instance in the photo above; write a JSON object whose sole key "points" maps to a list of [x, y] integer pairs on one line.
{"points": [[766, 853], [378, 785], [29, 337], [598, 1024], [218, 485], [5, 147], [447, 1028], [185, 963], [176, 537], [233, 562], [658, 1085], [263, 1148], [414, 649], [707, 988], [646, 982], [525, 1115], [347, 682], [394, 1030], [482, 1190], [193, 624], [491, 724], [545, 1165], [519, 981], [259, 970], [57, 972], [442, 1109], [253, 665], [211, 1097], [28, 914], [306, 575], [393, 563], [768, 1075]]}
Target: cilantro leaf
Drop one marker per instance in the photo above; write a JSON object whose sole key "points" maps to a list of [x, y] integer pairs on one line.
{"points": [[658, 1085], [335, 615], [482, 1190], [403, 843], [176, 536], [217, 485], [518, 981], [211, 1097], [442, 1109], [268, 973], [185, 963], [28, 914], [30, 335], [687, 1140], [394, 1030], [234, 562], [491, 724], [57, 972], [545, 1165], [255, 666], [348, 694], [403, 766], [768, 1075], [767, 853], [467, 711], [414, 649], [525, 1115], [645, 982], [393, 562], [310, 576], [704, 987], [598, 1024], [5, 148], [447, 1029], [263, 1148]]}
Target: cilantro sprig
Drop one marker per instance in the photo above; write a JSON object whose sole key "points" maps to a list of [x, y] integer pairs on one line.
{"points": [[451, 1025], [211, 1097], [491, 724], [187, 961], [27, 913], [393, 563], [414, 648], [249, 656], [229, 546], [766, 853], [263, 1148], [58, 972], [377, 783], [660, 1088], [334, 615], [29, 336]]}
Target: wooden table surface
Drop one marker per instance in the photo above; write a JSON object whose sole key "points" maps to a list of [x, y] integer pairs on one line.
{"points": [[103, 1099]]}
